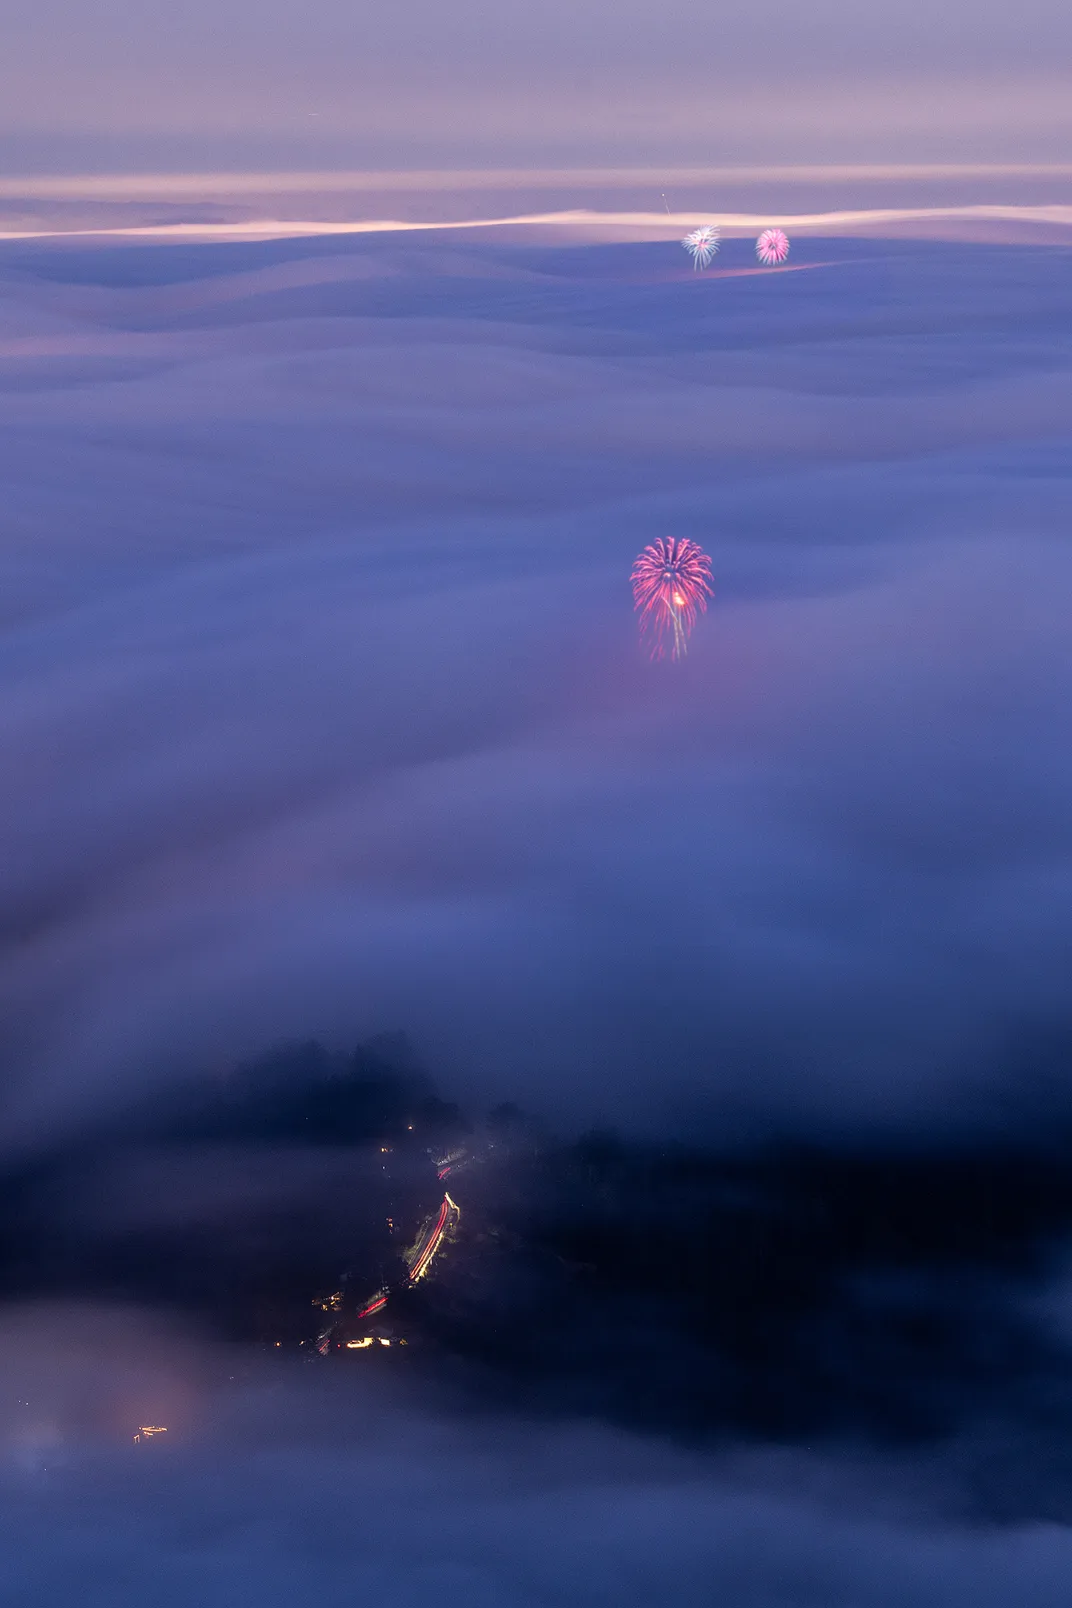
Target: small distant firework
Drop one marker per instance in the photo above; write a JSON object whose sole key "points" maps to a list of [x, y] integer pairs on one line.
{"points": [[772, 247], [671, 585], [702, 244]]}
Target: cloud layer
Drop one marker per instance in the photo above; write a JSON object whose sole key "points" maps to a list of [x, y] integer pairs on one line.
{"points": [[324, 711], [269, 1486]]}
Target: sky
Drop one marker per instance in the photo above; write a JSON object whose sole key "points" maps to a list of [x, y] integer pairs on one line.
{"points": [[138, 84]]}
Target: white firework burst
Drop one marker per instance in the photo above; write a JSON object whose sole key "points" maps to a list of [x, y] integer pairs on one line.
{"points": [[702, 244]]}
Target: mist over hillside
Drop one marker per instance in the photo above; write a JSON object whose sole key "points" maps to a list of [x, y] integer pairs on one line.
{"points": [[883, 1292]]}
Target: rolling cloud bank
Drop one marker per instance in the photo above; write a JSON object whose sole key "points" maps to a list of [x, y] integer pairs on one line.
{"points": [[325, 716]]}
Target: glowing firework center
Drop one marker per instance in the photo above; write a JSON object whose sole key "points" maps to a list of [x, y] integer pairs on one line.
{"points": [[671, 585]]}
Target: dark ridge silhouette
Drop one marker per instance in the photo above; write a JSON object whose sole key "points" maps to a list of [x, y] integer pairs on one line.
{"points": [[790, 1293], [238, 1198], [886, 1291]]}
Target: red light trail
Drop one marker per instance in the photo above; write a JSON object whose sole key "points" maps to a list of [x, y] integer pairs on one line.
{"points": [[421, 1258], [431, 1244], [373, 1306]]}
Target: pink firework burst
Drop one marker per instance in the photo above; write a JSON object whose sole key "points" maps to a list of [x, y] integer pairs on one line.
{"points": [[772, 247], [671, 585]]}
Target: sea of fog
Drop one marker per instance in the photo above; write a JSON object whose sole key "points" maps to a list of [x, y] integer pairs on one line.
{"points": [[324, 714]]}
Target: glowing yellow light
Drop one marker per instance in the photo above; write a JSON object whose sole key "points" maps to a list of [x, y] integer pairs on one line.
{"points": [[359, 1345], [679, 601]]}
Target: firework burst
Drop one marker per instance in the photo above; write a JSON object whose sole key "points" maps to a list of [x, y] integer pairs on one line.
{"points": [[772, 247], [671, 585], [702, 244]]}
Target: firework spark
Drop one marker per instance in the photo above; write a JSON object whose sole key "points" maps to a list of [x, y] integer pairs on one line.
{"points": [[671, 585], [772, 247], [702, 244]]}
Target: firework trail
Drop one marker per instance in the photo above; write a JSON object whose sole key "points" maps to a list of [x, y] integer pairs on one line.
{"points": [[671, 585], [772, 247], [702, 244]]}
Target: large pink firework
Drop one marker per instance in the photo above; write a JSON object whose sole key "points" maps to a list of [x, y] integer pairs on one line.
{"points": [[671, 585], [772, 247]]}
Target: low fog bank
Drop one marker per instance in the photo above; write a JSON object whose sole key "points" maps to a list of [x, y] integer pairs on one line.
{"points": [[271, 1486], [324, 714], [324, 711], [122, 199]]}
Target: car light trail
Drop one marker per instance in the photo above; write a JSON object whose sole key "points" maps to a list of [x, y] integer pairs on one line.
{"points": [[422, 1257], [373, 1306], [431, 1244]]}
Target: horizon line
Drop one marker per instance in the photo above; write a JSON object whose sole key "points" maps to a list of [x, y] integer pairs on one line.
{"points": [[154, 184], [662, 225]]}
